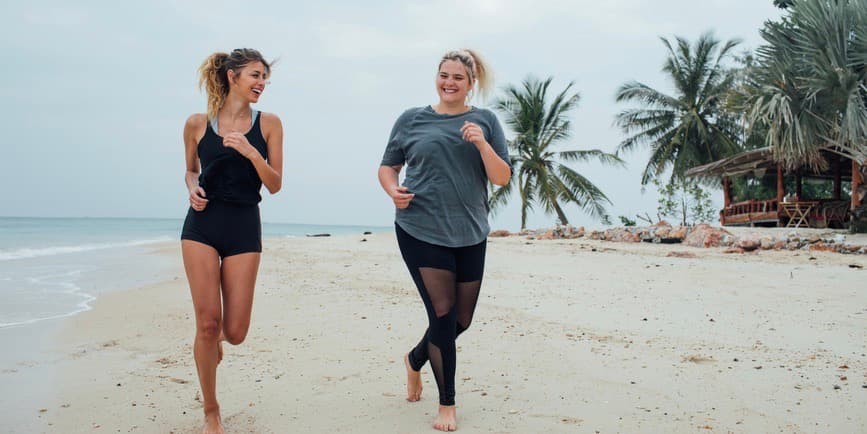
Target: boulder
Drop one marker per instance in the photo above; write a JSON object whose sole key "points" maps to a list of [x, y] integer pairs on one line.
{"points": [[768, 242], [549, 235], [678, 232], [662, 232], [749, 242], [821, 247], [596, 235], [621, 235], [704, 235]]}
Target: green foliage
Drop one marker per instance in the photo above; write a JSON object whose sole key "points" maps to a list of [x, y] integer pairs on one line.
{"points": [[626, 221], [808, 87], [689, 127], [750, 187], [783, 4], [540, 124], [685, 200]]}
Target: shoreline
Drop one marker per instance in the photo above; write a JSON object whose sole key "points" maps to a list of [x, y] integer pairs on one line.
{"points": [[569, 335]]}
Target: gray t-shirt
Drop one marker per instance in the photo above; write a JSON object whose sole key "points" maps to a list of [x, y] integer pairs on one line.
{"points": [[446, 174]]}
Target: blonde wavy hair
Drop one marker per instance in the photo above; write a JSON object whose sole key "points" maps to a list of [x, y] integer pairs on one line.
{"points": [[477, 69], [214, 78]]}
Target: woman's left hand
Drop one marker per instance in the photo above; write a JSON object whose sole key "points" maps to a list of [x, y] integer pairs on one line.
{"points": [[238, 142], [473, 134]]}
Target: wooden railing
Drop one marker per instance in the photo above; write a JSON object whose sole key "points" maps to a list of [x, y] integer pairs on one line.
{"points": [[827, 213], [751, 206], [750, 212]]}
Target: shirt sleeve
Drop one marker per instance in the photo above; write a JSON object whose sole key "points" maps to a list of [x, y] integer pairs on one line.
{"points": [[394, 155], [498, 141]]}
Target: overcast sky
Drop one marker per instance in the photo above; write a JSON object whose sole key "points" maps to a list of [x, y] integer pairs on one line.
{"points": [[95, 93]]}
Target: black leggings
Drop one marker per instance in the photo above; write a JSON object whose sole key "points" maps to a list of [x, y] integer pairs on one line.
{"points": [[448, 280]]}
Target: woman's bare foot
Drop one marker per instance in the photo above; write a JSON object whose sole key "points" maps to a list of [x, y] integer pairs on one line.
{"points": [[447, 419], [213, 423], [413, 381]]}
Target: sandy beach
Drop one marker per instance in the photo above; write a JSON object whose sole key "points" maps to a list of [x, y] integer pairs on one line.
{"points": [[570, 336]]}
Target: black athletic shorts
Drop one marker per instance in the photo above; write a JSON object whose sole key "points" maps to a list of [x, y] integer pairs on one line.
{"points": [[468, 263], [229, 228]]}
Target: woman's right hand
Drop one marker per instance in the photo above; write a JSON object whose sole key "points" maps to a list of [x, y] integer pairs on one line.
{"points": [[197, 199], [400, 196]]}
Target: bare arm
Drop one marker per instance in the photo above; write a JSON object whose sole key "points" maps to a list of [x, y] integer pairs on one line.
{"points": [[271, 172], [388, 177], [498, 171], [194, 129]]}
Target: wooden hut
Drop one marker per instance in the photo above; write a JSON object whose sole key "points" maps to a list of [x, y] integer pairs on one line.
{"points": [[787, 208]]}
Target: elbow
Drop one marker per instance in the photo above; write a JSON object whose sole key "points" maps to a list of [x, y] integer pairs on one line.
{"points": [[274, 188], [502, 180]]}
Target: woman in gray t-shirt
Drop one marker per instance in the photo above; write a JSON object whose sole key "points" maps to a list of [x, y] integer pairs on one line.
{"points": [[451, 151]]}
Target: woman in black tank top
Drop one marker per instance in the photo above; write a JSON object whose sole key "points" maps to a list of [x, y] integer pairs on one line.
{"points": [[237, 149]]}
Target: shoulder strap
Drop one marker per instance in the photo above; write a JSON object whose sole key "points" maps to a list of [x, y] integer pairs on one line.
{"points": [[213, 123]]}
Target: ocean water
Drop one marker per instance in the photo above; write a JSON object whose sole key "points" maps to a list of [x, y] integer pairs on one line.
{"points": [[55, 267]]}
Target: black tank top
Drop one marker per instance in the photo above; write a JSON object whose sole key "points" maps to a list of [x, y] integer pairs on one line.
{"points": [[226, 175]]}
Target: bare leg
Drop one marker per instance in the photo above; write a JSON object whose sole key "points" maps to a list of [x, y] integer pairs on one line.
{"points": [[239, 280], [413, 381], [202, 265]]}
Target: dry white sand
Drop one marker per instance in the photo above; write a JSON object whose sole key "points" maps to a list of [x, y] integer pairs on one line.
{"points": [[569, 336]]}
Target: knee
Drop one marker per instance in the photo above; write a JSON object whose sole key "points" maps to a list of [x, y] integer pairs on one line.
{"points": [[208, 329], [235, 335], [443, 310], [463, 326], [443, 330]]}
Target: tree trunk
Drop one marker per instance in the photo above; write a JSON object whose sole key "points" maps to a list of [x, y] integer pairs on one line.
{"points": [[683, 210], [524, 205], [560, 214]]}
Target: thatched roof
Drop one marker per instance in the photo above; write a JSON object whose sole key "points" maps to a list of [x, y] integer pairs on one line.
{"points": [[760, 163]]}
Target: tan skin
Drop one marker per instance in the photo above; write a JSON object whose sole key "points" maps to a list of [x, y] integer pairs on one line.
{"points": [[452, 84], [223, 292]]}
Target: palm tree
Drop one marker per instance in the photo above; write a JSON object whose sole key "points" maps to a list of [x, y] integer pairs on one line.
{"points": [[809, 87], [690, 127], [539, 126]]}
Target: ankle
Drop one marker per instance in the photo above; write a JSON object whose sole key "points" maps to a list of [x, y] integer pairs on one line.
{"points": [[212, 409]]}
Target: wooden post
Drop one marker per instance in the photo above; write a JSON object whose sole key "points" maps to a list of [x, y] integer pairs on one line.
{"points": [[781, 189], [727, 191], [798, 181], [856, 182], [838, 179]]}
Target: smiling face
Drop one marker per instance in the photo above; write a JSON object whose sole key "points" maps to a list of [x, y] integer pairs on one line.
{"points": [[453, 83], [250, 81]]}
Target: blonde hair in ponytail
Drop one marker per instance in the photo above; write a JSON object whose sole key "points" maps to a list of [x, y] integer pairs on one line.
{"points": [[215, 85], [477, 69], [214, 78]]}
